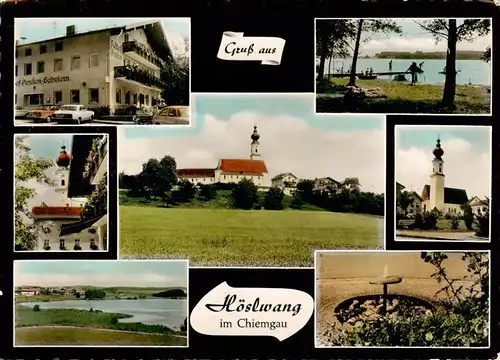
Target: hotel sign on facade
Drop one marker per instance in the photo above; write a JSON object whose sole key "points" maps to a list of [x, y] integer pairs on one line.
{"points": [[44, 80]]}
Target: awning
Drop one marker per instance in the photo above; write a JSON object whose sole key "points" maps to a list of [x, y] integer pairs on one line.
{"points": [[76, 227]]}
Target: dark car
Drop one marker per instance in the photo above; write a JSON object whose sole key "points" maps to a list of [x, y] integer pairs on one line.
{"points": [[143, 116]]}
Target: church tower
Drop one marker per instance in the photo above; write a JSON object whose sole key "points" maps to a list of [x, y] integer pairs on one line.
{"points": [[62, 176], [254, 146], [437, 179]]}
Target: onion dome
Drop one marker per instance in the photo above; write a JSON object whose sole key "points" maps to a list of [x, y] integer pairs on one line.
{"points": [[438, 152], [255, 135], [64, 158]]}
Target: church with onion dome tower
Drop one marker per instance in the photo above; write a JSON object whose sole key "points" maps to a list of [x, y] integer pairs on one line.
{"points": [[233, 170], [435, 195], [64, 210]]}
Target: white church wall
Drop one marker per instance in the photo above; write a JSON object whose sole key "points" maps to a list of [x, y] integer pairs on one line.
{"points": [[53, 239]]}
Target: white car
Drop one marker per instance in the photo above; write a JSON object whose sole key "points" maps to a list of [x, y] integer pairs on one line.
{"points": [[20, 112], [73, 114]]}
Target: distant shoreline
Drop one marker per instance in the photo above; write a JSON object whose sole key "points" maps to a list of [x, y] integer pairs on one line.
{"points": [[419, 55]]}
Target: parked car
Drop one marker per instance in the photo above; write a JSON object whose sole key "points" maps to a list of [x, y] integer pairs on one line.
{"points": [[142, 116], [21, 112], [43, 113], [172, 115], [75, 114]]}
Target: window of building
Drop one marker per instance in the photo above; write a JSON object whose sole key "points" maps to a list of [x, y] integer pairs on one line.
{"points": [[147, 100], [58, 97], [40, 67], [46, 243], [94, 60], [43, 49], [94, 95], [127, 97], [62, 244], [58, 64], [440, 168], [77, 242], [28, 69], [75, 62], [126, 38], [134, 99], [75, 96], [27, 52], [62, 182], [16, 70], [92, 242], [33, 99], [59, 46], [118, 96]]}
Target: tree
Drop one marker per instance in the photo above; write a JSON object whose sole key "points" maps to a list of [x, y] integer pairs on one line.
{"points": [[208, 191], [404, 200], [468, 216], [187, 190], [331, 40], [305, 190], [351, 184], [482, 220], [158, 177], [245, 195], [91, 294], [369, 26], [183, 326], [486, 57], [175, 75], [274, 199], [77, 295], [449, 30], [27, 168]]}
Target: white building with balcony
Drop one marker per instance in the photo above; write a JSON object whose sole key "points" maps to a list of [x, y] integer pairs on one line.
{"points": [[66, 225], [111, 68]]}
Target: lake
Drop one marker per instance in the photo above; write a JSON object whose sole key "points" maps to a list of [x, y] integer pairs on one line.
{"points": [[167, 312], [475, 72]]}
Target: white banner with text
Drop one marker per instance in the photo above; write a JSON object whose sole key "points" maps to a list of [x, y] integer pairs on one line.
{"points": [[234, 46]]}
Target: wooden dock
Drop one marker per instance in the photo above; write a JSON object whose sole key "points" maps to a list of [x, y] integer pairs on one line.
{"points": [[374, 73]]}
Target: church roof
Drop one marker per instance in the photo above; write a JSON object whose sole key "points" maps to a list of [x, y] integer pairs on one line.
{"points": [[451, 195], [242, 166], [196, 172]]}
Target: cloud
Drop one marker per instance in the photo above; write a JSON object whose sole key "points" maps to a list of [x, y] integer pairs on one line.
{"points": [[287, 144], [464, 167], [139, 280]]}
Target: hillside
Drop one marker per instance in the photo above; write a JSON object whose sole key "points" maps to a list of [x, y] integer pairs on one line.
{"points": [[222, 202], [461, 55]]}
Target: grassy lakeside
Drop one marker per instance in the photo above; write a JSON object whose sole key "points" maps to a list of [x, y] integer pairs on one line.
{"points": [[96, 337], [136, 291], [403, 98], [94, 322], [241, 237], [221, 201]]}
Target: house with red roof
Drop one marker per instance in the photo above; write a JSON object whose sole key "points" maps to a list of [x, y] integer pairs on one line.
{"points": [[232, 170]]}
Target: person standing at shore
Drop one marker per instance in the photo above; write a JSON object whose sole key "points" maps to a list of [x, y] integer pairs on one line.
{"points": [[414, 70], [390, 65]]}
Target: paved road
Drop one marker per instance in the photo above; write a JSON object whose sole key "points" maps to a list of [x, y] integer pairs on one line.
{"points": [[23, 122]]}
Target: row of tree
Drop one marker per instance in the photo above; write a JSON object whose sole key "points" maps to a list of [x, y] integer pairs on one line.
{"points": [[427, 220], [158, 180], [340, 37], [461, 55]]}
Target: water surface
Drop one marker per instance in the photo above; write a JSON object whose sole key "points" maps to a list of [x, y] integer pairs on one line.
{"points": [[167, 312]]}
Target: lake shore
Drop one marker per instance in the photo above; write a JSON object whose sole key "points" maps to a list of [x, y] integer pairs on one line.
{"points": [[401, 97], [47, 321]]}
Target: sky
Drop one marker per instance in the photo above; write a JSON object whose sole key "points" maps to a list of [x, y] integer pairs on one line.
{"points": [[104, 273], [293, 139], [39, 29], [467, 157], [46, 146], [414, 38]]}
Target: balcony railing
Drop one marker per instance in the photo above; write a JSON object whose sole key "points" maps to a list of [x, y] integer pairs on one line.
{"points": [[142, 51], [96, 157], [136, 74]]}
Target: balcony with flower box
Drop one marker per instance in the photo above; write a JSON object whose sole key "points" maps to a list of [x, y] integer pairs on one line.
{"points": [[142, 55], [137, 75]]}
